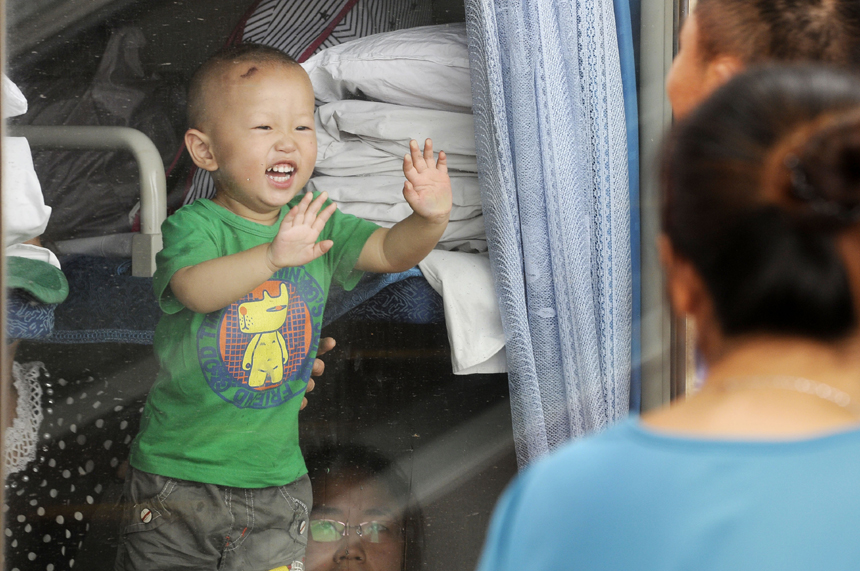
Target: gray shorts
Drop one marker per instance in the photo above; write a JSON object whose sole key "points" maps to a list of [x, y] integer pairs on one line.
{"points": [[177, 524]]}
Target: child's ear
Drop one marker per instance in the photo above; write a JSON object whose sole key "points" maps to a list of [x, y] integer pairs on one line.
{"points": [[200, 148]]}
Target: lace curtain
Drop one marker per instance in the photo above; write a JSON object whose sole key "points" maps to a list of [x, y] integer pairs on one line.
{"points": [[552, 148]]}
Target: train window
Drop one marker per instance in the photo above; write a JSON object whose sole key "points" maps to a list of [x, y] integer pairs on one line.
{"points": [[389, 433]]}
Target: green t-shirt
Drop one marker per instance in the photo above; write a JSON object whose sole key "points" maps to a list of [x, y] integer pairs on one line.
{"points": [[224, 407]]}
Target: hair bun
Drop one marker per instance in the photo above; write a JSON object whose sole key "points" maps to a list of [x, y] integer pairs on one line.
{"points": [[824, 170]]}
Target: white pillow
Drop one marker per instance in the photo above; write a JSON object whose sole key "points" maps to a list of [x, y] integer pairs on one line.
{"points": [[426, 67], [462, 235], [366, 137]]}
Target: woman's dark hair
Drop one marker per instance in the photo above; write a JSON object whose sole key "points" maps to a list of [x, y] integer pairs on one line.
{"points": [[333, 458], [759, 181], [758, 31]]}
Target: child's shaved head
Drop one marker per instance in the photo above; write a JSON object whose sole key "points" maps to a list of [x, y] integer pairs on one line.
{"points": [[247, 55]]}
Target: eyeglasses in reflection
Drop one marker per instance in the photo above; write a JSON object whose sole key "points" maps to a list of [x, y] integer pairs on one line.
{"points": [[357, 484]]}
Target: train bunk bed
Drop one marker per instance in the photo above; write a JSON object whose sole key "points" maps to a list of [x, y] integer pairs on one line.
{"points": [[378, 82]]}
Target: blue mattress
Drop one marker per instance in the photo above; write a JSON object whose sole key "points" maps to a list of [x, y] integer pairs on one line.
{"points": [[27, 318], [107, 304]]}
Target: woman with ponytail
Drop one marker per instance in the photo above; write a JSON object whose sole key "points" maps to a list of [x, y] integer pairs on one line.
{"points": [[760, 469], [721, 38]]}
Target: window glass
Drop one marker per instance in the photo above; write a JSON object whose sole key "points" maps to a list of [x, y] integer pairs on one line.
{"points": [[406, 458]]}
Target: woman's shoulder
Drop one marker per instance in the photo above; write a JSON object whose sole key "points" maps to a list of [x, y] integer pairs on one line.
{"points": [[615, 440], [612, 499], [589, 460], [630, 453]]}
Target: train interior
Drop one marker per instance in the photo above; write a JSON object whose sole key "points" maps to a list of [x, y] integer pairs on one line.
{"points": [[388, 386]]}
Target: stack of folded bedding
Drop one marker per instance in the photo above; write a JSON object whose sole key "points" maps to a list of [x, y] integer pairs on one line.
{"points": [[379, 198], [374, 95], [377, 93]]}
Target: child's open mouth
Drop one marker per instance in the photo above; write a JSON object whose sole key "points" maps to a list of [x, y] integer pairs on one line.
{"points": [[280, 173]]}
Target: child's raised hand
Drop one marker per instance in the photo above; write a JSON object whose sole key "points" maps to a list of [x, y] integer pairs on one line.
{"points": [[427, 188], [296, 243]]}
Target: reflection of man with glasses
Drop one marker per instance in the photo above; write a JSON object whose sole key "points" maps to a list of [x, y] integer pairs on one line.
{"points": [[362, 516]]}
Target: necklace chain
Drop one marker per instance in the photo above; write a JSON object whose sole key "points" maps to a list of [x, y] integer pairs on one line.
{"points": [[800, 385]]}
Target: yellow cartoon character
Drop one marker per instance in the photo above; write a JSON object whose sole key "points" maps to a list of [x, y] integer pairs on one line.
{"points": [[266, 353]]}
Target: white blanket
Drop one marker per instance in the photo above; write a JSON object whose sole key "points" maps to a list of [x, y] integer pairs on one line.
{"points": [[468, 235], [388, 189], [471, 313], [365, 137], [359, 164], [394, 213], [25, 214]]}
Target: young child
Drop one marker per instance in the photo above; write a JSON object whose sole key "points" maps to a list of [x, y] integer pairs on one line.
{"points": [[217, 478]]}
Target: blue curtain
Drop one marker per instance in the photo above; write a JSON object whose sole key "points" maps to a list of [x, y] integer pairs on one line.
{"points": [[553, 159]]}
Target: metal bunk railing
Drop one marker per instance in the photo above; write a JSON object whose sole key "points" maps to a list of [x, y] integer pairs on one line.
{"points": [[153, 185]]}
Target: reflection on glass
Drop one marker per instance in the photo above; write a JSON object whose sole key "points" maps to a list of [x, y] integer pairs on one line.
{"points": [[125, 63], [364, 515]]}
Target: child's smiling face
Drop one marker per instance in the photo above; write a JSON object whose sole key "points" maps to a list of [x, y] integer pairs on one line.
{"points": [[261, 136]]}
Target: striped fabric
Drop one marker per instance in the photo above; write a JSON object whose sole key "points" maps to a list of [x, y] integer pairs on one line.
{"points": [[201, 186], [300, 28]]}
